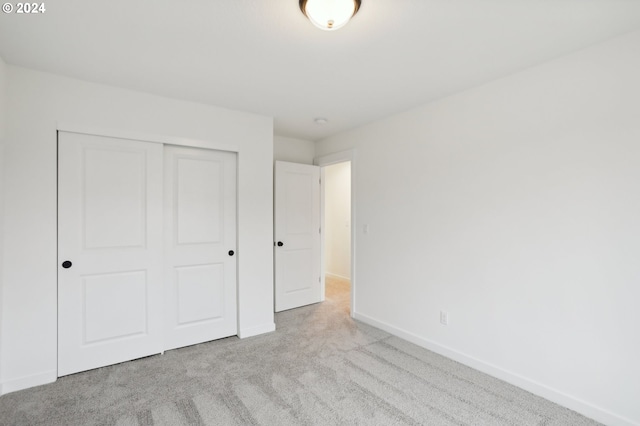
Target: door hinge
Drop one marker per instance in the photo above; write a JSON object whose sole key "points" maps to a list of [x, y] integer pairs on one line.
{"points": [[320, 181], [319, 230], [319, 279]]}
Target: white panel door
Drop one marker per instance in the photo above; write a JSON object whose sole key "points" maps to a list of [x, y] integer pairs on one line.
{"points": [[200, 245], [110, 275], [297, 235]]}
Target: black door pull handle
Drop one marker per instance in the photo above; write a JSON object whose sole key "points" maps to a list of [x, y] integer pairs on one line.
{"points": [[231, 253], [66, 264], [280, 243]]}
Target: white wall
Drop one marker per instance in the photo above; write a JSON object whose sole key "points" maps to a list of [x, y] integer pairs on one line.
{"points": [[36, 103], [293, 150], [337, 219], [515, 207], [3, 114]]}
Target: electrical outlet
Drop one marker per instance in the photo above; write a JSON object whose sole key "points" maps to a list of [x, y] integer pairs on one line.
{"points": [[444, 317]]}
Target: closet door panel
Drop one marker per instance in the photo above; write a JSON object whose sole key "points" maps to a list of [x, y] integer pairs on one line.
{"points": [[110, 283], [200, 245]]}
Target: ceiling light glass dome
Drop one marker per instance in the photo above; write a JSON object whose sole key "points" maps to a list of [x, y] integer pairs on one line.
{"points": [[329, 15]]}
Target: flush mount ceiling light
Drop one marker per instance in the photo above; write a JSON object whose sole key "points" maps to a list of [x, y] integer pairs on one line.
{"points": [[329, 15]]}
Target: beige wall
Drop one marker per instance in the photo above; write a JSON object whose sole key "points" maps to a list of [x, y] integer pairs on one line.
{"points": [[3, 120], [37, 103], [337, 220], [514, 207], [293, 150]]}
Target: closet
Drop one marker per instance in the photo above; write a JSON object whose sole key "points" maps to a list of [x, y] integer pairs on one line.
{"points": [[146, 249]]}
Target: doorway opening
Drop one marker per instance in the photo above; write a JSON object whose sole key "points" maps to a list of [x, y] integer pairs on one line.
{"points": [[337, 235]]}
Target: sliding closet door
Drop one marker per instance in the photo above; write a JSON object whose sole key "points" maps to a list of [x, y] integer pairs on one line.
{"points": [[200, 245], [110, 271]]}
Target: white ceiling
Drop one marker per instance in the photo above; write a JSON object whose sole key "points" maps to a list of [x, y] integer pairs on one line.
{"points": [[263, 56]]}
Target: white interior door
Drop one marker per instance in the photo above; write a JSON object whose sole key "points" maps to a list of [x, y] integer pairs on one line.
{"points": [[110, 275], [200, 245], [297, 235]]}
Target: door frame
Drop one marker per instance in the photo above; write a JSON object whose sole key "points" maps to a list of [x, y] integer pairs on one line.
{"points": [[163, 140], [146, 137], [328, 160]]}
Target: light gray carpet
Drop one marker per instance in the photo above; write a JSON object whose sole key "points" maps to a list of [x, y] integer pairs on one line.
{"points": [[319, 368]]}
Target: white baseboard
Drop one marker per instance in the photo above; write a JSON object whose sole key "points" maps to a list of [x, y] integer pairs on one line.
{"points": [[30, 381], [576, 404], [340, 277], [254, 331]]}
